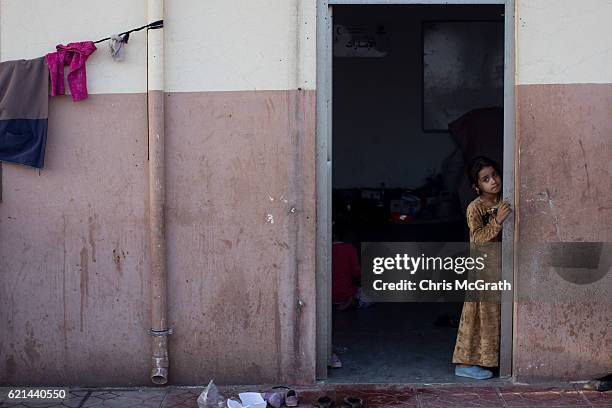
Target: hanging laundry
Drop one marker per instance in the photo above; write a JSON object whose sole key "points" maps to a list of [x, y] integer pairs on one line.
{"points": [[116, 45], [24, 107], [74, 55]]}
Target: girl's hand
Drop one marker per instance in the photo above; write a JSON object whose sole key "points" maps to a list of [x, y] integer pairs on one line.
{"points": [[503, 212]]}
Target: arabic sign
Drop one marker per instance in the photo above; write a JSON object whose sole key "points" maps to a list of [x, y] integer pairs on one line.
{"points": [[360, 42]]}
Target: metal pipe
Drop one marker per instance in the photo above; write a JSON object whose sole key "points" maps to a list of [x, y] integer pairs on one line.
{"points": [[157, 235]]}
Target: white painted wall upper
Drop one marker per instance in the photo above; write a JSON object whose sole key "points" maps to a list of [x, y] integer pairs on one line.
{"points": [[32, 28], [212, 45], [229, 45], [564, 41]]}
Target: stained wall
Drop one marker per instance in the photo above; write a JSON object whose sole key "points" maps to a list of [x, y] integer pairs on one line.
{"points": [[240, 114], [564, 132]]}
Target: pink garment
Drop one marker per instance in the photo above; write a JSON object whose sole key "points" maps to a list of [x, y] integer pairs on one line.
{"points": [[75, 55]]}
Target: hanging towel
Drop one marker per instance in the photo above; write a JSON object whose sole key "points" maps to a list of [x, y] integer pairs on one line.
{"points": [[24, 107], [75, 55]]}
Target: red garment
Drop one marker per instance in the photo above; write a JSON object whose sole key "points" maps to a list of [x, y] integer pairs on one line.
{"points": [[75, 55], [345, 266]]}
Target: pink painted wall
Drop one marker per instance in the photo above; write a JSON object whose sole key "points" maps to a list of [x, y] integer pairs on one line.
{"points": [[74, 284], [239, 256], [562, 330]]}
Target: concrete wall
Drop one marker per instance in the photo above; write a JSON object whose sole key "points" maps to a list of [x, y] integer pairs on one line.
{"points": [[74, 287], [564, 128]]}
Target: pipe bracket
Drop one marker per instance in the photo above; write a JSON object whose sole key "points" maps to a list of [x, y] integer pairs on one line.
{"points": [[161, 333]]}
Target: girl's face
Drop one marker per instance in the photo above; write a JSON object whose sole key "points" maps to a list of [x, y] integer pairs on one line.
{"points": [[489, 181]]}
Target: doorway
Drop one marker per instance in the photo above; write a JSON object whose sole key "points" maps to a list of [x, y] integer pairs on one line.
{"points": [[382, 140]]}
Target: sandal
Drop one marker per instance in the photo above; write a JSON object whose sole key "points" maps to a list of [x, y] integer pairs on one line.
{"points": [[325, 402], [334, 361], [353, 402], [291, 398]]}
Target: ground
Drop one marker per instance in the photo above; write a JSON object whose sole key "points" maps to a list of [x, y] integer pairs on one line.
{"points": [[374, 396]]}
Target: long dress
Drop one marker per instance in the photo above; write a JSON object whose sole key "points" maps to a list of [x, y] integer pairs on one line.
{"points": [[478, 335]]}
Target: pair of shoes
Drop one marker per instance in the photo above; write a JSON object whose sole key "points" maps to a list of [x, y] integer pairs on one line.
{"points": [[334, 361], [475, 372], [277, 398], [325, 402], [354, 402]]}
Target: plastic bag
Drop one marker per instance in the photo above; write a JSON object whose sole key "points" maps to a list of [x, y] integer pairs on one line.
{"points": [[210, 397]]}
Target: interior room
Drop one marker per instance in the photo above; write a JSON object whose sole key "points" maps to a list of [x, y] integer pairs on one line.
{"points": [[417, 92]]}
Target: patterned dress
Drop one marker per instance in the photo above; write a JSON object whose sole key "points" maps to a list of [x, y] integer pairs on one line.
{"points": [[478, 335]]}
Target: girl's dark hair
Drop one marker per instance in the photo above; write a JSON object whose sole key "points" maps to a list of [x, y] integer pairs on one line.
{"points": [[478, 163]]}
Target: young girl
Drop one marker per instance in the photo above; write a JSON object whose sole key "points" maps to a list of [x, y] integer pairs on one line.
{"points": [[477, 344]]}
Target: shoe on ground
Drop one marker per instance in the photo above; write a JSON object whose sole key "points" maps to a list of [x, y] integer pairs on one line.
{"points": [[325, 402], [598, 385], [353, 402], [475, 372], [334, 361], [291, 398]]}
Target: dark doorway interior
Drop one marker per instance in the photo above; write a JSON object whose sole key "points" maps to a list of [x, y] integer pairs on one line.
{"points": [[401, 75]]}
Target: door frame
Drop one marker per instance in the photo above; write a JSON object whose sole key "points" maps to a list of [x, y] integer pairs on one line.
{"points": [[324, 172]]}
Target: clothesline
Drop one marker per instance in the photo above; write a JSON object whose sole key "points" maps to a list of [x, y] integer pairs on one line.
{"points": [[23, 137], [151, 26]]}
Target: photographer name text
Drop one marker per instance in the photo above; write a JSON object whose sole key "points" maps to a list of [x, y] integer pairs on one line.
{"points": [[429, 285]]}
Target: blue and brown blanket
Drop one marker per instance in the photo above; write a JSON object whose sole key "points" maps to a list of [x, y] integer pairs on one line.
{"points": [[24, 111]]}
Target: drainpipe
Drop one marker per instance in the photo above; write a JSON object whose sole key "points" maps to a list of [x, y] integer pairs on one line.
{"points": [[157, 235]]}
